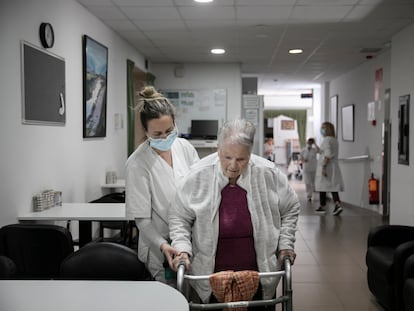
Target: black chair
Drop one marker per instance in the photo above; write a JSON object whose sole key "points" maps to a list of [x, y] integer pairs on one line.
{"points": [[122, 226], [388, 248], [103, 261], [7, 268], [408, 284], [36, 249]]}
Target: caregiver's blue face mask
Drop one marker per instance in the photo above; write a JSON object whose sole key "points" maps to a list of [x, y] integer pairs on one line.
{"points": [[163, 144]]}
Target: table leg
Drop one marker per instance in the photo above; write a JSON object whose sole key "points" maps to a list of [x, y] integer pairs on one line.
{"points": [[85, 232]]}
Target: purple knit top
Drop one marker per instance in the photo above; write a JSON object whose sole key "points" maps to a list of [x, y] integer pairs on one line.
{"points": [[235, 247]]}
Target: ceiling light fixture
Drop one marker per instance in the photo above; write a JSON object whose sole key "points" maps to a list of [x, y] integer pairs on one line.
{"points": [[295, 51], [203, 1], [218, 51]]}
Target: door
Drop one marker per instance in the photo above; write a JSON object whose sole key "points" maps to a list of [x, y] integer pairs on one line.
{"points": [[252, 111], [386, 155]]}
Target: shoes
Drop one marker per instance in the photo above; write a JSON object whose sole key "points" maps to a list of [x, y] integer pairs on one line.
{"points": [[337, 209], [320, 210]]}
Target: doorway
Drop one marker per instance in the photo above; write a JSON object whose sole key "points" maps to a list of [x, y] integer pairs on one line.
{"points": [[139, 83], [386, 155]]}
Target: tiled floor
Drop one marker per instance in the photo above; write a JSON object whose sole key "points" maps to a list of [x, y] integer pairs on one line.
{"points": [[330, 272]]}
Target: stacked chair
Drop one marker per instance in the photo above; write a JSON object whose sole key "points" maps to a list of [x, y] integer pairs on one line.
{"points": [[125, 228]]}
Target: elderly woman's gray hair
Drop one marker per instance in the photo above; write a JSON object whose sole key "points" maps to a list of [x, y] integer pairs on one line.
{"points": [[238, 131]]}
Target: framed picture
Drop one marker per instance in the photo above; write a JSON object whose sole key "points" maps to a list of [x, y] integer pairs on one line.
{"points": [[333, 113], [95, 70], [287, 124], [348, 123], [404, 129]]}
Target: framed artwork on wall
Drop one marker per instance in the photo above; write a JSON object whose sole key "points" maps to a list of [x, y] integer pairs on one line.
{"points": [[95, 77], [404, 129], [333, 112], [287, 125], [348, 123]]}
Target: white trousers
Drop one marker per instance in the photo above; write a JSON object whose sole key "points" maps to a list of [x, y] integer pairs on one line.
{"points": [[309, 177]]}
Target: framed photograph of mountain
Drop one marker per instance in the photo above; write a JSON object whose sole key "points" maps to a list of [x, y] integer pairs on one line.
{"points": [[95, 77]]}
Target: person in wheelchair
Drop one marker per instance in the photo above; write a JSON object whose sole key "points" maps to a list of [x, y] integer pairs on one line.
{"points": [[234, 211]]}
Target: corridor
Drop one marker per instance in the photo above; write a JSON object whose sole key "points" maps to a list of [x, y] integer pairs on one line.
{"points": [[330, 272]]}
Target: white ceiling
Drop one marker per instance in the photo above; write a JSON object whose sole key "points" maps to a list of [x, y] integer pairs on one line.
{"points": [[258, 34]]}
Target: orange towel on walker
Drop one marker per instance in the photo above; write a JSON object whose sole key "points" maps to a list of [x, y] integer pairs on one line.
{"points": [[228, 286]]}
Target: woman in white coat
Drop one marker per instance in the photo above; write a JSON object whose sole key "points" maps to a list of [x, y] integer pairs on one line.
{"points": [[152, 173], [328, 174]]}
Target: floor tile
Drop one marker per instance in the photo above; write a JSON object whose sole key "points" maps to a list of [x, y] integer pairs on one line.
{"points": [[329, 273]]}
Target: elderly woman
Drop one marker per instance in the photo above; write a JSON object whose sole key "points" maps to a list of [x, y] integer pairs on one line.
{"points": [[152, 173], [234, 211]]}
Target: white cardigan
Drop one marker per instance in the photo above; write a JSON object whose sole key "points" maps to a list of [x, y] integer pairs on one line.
{"points": [[194, 225]]}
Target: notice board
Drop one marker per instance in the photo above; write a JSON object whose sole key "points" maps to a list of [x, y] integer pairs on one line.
{"points": [[43, 86], [200, 104]]}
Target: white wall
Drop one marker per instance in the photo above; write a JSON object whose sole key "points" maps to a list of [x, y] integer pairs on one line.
{"points": [[402, 83], [37, 157], [357, 88], [204, 76]]}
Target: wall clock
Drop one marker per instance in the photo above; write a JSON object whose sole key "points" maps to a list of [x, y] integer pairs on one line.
{"points": [[47, 36]]}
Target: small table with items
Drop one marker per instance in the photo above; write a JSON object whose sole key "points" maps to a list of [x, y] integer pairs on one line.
{"points": [[85, 213]]}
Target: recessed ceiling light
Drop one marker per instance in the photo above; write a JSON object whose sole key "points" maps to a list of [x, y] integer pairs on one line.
{"points": [[203, 1], [218, 51], [295, 51]]}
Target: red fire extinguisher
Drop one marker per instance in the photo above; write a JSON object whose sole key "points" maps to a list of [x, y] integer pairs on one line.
{"points": [[373, 186]]}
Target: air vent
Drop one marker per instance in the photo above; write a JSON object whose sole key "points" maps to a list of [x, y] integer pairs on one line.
{"points": [[370, 50]]}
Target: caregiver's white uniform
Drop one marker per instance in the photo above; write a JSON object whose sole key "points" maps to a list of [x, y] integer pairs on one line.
{"points": [[333, 182], [150, 189]]}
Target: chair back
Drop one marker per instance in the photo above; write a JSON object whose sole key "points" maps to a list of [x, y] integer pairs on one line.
{"points": [[122, 226], [36, 249], [7, 268], [103, 261]]}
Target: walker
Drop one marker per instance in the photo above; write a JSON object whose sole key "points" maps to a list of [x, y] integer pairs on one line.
{"points": [[285, 298]]}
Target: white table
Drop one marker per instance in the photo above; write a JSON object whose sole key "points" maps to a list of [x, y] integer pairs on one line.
{"points": [[85, 213], [52, 295]]}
